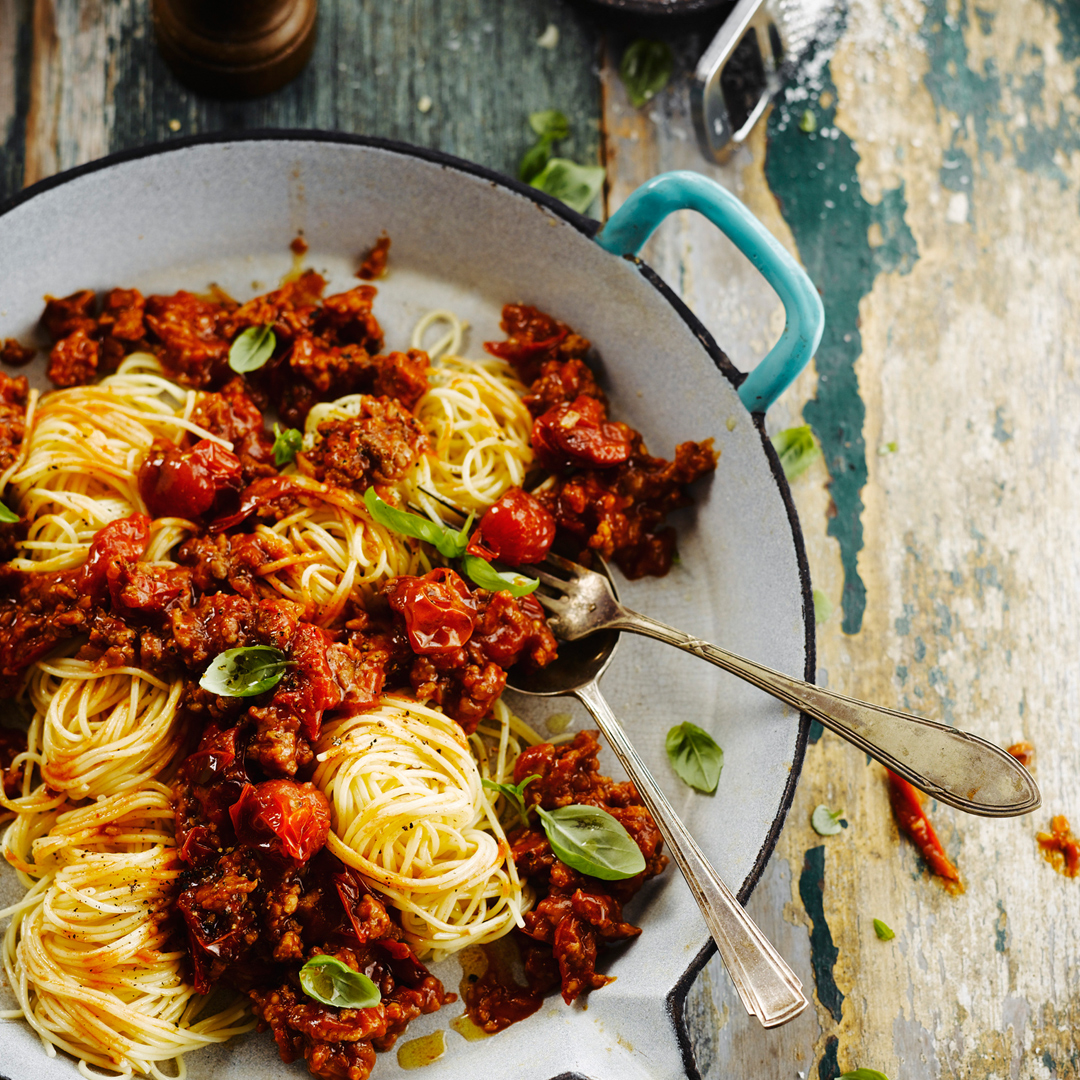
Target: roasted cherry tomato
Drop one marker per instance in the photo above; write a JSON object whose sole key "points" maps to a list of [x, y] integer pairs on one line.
{"points": [[123, 540], [309, 687], [534, 760], [188, 483], [283, 818], [577, 433], [517, 530], [259, 493], [215, 776], [438, 610], [912, 819], [217, 758]]}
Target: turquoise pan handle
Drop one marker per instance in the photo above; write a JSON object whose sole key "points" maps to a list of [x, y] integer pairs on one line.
{"points": [[633, 223]]}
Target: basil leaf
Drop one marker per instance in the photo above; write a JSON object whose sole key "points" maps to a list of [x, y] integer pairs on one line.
{"points": [[327, 979], [808, 121], [252, 349], [286, 443], [550, 124], [244, 672], [883, 931], [481, 572], [823, 607], [797, 450], [7, 515], [592, 842], [445, 540], [863, 1074], [645, 70], [534, 160], [695, 756], [825, 821], [576, 185], [514, 794]]}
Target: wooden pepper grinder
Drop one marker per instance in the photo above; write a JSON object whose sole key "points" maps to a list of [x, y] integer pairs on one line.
{"points": [[235, 48]]}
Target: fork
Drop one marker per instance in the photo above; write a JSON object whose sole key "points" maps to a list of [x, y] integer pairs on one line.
{"points": [[953, 766]]}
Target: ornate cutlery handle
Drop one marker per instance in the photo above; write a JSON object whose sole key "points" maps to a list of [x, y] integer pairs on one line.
{"points": [[953, 766], [769, 989]]}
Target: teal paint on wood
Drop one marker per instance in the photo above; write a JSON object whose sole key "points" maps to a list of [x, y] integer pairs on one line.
{"points": [[829, 1067], [1001, 931], [977, 98], [15, 74], [813, 175], [373, 64], [1068, 15], [823, 952]]}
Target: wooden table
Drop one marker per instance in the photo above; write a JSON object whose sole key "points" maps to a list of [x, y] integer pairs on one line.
{"points": [[936, 207]]}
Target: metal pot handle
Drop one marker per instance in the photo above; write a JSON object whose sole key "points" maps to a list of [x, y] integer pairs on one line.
{"points": [[633, 223]]}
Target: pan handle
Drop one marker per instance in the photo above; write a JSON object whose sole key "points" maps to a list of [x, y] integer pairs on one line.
{"points": [[633, 223]]}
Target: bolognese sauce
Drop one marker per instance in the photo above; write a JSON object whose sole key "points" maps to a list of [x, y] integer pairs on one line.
{"points": [[260, 893]]}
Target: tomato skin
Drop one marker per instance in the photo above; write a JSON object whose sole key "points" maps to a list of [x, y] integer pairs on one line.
{"points": [[188, 483], [123, 540], [534, 760], [438, 610], [521, 353], [256, 494], [283, 818], [912, 819], [309, 687], [216, 758], [578, 434], [216, 776], [516, 529]]}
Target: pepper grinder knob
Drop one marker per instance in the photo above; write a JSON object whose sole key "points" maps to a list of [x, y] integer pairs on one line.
{"points": [[235, 48]]}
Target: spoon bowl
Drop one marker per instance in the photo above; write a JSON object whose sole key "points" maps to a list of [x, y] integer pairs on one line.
{"points": [[579, 664], [768, 988]]}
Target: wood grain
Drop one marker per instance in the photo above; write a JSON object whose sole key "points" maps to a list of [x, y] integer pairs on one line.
{"points": [[98, 83], [15, 49], [964, 356], [936, 206]]}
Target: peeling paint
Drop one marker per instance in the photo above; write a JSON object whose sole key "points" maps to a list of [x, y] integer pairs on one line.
{"points": [[914, 1046], [828, 1067], [1001, 433], [1068, 14], [1036, 132], [815, 180], [823, 952], [1001, 929]]}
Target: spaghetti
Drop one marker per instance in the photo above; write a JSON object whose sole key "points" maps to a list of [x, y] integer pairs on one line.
{"points": [[83, 452], [103, 731], [410, 813], [328, 551], [89, 952]]}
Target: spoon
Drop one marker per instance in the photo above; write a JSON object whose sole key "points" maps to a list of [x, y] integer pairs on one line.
{"points": [[953, 766], [768, 988]]}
